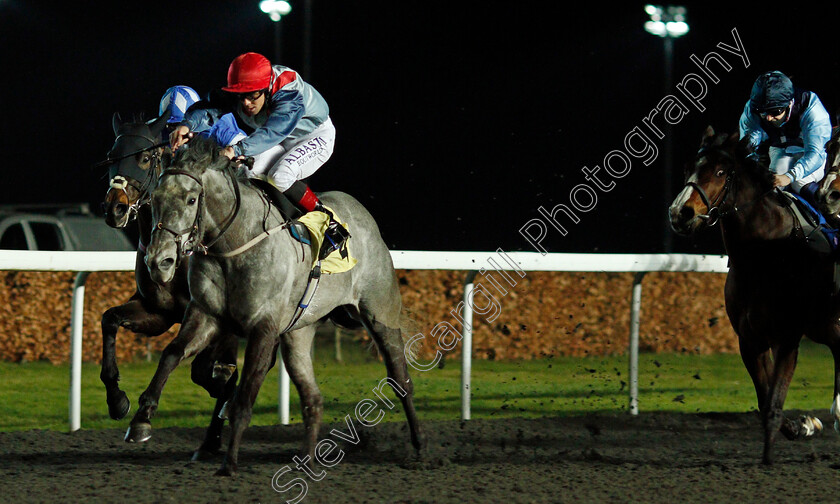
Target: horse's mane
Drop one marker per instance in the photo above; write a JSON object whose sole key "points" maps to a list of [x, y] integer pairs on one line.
{"points": [[749, 161], [205, 152], [200, 151]]}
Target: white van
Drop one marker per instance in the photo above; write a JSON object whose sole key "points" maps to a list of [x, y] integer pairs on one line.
{"points": [[58, 228]]}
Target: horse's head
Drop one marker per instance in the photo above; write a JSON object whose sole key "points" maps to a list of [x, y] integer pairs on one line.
{"points": [[709, 180], [132, 164], [178, 203], [828, 194]]}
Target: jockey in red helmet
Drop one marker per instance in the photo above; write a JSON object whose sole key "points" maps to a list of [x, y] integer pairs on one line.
{"points": [[289, 131]]}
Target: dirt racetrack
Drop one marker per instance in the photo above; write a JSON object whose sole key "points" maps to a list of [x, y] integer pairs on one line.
{"points": [[656, 457]]}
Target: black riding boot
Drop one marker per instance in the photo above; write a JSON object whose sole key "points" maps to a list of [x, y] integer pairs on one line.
{"points": [[336, 235]]}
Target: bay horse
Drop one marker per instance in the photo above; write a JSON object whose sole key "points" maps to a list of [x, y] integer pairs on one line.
{"points": [[778, 289], [134, 163], [250, 275]]}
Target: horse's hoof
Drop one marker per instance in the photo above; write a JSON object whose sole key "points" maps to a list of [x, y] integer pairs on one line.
{"points": [[138, 433], [203, 454], [837, 425], [222, 372], [226, 470], [809, 426], [119, 407]]}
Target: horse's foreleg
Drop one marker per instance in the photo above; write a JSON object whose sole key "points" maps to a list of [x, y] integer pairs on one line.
{"points": [[261, 344], [759, 366], [197, 331], [135, 317], [221, 384], [772, 411]]}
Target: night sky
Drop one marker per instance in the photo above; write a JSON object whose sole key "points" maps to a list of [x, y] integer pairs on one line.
{"points": [[454, 124]]}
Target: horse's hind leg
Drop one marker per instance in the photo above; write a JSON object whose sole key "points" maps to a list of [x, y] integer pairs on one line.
{"points": [[830, 336], [297, 356], [389, 340], [835, 404], [135, 317], [220, 382]]}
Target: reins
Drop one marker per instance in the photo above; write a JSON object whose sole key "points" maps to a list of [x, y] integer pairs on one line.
{"points": [[198, 223]]}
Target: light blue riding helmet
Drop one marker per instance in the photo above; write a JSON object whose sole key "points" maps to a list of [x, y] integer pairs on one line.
{"points": [[177, 100]]}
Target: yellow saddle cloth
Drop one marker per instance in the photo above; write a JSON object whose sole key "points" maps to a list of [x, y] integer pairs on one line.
{"points": [[316, 223]]}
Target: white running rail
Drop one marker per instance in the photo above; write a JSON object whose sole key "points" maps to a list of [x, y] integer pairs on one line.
{"points": [[474, 263]]}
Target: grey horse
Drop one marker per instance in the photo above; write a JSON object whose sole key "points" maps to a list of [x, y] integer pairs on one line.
{"points": [[134, 163], [250, 276]]}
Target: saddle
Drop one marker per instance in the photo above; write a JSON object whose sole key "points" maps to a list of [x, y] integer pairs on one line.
{"points": [[811, 225], [308, 229], [288, 209]]}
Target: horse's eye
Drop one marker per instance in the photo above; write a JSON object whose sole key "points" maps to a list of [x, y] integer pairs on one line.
{"points": [[720, 173], [191, 201]]}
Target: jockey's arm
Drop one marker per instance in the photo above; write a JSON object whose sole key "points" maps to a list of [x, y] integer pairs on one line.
{"points": [[815, 125], [749, 125], [286, 111]]}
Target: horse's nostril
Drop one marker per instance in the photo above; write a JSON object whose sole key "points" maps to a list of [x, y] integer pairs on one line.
{"points": [[120, 209], [167, 263], [833, 196], [686, 214]]}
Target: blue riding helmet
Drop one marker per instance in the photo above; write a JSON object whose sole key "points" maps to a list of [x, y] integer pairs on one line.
{"points": [[177, 100], [772, 90]]}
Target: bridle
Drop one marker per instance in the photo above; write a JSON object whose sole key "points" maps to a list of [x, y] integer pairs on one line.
{"points": [[196, 230], [713, 212], [120, 182]]}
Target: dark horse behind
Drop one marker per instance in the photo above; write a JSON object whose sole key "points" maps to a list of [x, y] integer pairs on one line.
{"points": [[779, 288], [134, 162]]}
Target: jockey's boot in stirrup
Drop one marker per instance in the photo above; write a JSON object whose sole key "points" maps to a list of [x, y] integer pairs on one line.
{"points": [[335, 237]]}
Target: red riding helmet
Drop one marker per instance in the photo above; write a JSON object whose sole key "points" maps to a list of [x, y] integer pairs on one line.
{"points": [[248, 72]]}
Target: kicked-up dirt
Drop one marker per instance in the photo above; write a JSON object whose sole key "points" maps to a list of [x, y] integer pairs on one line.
{"points": [[652, 458]]}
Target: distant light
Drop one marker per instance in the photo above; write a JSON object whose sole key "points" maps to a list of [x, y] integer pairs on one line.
{"points": [[676, 28], [653, 10], [667, 22], [275, 9], [656, 28]]}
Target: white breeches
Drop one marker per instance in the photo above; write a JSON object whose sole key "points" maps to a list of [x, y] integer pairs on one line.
{"points": [[781, 162], [284, 164]]}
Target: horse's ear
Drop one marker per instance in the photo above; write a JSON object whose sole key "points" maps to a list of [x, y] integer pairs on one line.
{"points": [[166, 159], [708, 137], [116, 122], [744, 147], [158, 124]]}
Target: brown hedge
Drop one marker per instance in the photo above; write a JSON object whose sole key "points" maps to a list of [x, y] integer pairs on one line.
{"points": [[546, 314]]}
